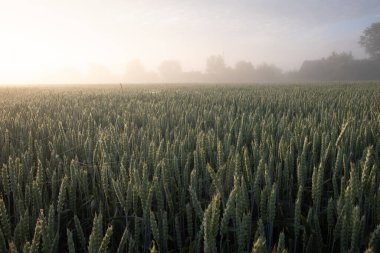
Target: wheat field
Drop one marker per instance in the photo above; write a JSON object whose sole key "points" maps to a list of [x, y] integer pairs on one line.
{"points": [[261, 168]]}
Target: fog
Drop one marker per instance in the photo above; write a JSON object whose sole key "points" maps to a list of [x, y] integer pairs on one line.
{"points": [[184, 41]]}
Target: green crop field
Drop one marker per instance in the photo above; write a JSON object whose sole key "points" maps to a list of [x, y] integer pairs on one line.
{"points": [[265, 168]]}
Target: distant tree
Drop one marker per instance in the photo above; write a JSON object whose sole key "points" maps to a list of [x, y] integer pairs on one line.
{"points": [[337, 66], [244, 71], [135, 67], [136, 73], [370, 40], [244, 67], [170, 70], [267, 73], [215, 64], [217, 71], [339, 58]]}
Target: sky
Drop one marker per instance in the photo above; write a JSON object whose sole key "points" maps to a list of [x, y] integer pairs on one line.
{"points": [[71, 41]]}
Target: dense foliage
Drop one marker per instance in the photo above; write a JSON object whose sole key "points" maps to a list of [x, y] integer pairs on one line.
{"points": [[291, 168]]}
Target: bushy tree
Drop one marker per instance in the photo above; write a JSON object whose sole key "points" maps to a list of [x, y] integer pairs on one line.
{"points": [[170, 70], [215, 64], [370, 40]]}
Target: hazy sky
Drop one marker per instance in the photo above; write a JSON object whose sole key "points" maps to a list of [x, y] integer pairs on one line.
{"points": [[80, 40]]}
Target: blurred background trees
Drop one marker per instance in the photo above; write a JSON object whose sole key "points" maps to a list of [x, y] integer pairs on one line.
{"points": [[335, 67]]}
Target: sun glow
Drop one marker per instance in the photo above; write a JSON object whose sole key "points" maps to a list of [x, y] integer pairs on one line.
{"points": [[40, 44], [52, 41]]}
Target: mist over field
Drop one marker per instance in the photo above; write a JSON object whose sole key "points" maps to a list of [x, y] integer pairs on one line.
{"points": [[189, 126], [185, 41]]}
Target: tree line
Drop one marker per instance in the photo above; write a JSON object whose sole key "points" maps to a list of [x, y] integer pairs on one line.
{"points": [[337, 66]]}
